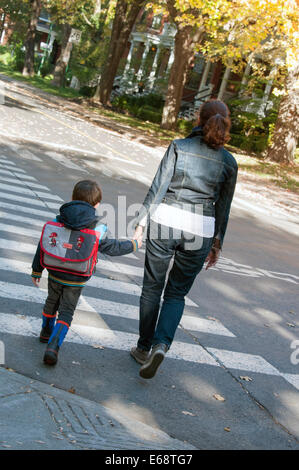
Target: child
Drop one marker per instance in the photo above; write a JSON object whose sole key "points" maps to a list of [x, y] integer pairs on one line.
{"points": [[64, 286]]}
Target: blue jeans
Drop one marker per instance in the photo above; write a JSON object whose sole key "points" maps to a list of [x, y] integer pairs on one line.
{"points": [[187, 263]]}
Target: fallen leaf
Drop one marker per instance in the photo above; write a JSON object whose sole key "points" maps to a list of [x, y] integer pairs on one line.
{"points": [[291, 325], [188, 413], [72, 390], [246, 378], [218, 397], [227, 429]]}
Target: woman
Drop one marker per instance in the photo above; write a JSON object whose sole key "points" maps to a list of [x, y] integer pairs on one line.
{"points": [[187, 208]]}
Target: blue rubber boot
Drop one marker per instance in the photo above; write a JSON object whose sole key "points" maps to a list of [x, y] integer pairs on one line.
{"points": [[55, 341], [47, 327]]}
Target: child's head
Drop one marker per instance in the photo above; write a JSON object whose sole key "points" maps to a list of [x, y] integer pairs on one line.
{"points": [[87, 191]]}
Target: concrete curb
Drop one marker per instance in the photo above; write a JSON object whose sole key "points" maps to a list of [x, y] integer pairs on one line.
{"points": [[36, 416]]}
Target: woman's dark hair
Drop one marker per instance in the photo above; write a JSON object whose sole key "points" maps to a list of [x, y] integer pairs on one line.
{"points": [[215, 122], [88, 191]]}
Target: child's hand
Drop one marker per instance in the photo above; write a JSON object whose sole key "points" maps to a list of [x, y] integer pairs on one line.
{"points": [[36, 281]]}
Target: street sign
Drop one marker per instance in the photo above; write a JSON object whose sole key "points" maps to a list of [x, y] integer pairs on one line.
{"points": [[75, 36]]}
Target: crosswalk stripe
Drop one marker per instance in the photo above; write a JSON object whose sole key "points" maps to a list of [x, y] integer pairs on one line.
{"points": [[26, 200], [23, 176], [123, 341], [19, 218], [15, 169], [65, 161], [30, 248], [93, 336], [24, 153], [30, 210], [106, 307], [18, 182], [243, 361], [16, 189], [20, 230], [7, 162]]}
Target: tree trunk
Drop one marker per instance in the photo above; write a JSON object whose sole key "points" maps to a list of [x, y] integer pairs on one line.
{"points": [[183, 55], [286, 133], [36, 6], [125, 17], [64, 57], [185, 40]]}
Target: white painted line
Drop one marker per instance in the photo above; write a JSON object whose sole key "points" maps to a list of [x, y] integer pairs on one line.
{"points": [[7, 162], [17, 208], [293, 379], [107, 307], [24, 153], [19, 218], [26, 200], [16, 189], [14, 169], [13, 175], [93, 336], [65, 161], [17, 246], [130, 256], [205, 326], [120, 267], [28, 248], [20, 230], [242, 361], [24, 183]]}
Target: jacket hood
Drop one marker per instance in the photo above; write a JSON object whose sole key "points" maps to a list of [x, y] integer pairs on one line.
{"points": [[77, 215]]}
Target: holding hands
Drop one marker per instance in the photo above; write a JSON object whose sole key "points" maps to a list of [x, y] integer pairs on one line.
{"points": [[138, 235]]}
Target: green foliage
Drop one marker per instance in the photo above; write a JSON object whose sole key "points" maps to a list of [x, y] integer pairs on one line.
{"points": [[18, 57], [251, 131], [145, 107], [185, 127], [5, 55]]}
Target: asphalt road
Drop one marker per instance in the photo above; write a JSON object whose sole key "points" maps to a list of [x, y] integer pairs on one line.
{"points": [[231, 379]]}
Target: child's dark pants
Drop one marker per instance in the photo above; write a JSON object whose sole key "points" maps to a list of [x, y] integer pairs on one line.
{"points": [[62, 298]]}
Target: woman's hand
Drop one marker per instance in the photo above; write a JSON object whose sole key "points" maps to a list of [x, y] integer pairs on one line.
{"points": [[212, 257], [138, 233]]}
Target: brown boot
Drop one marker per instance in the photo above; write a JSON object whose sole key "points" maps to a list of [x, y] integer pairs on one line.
{"points": [[140, 355]]}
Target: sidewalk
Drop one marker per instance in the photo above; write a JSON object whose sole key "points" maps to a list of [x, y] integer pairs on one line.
{"points": [[37, 416]]}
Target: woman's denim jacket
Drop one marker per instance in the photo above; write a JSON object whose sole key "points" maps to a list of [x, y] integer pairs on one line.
{"points": [[190, 174]]}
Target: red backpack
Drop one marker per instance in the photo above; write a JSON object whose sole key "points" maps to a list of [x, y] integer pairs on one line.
{"points": [[69, 251]]}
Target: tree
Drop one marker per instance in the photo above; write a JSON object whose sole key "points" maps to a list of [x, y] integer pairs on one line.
{"points": [[187, 37], [16, 14], [235, 30], [126, 13], [286, 133], [35, 9]]}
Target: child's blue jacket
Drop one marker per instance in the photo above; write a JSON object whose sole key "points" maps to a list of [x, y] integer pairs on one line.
{"points": [[78, 215]]}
